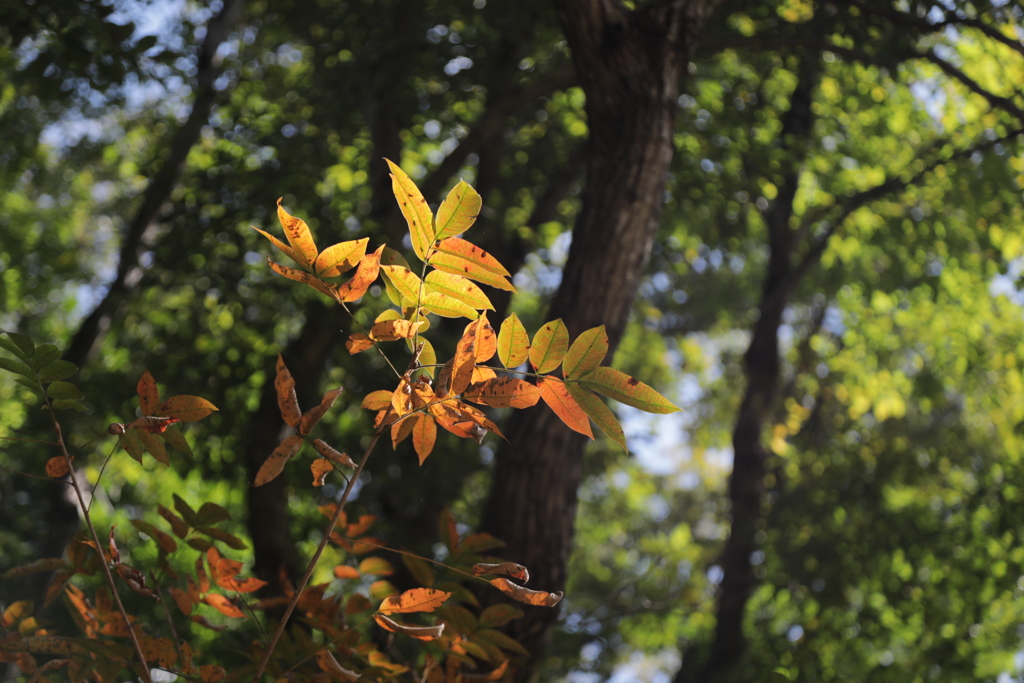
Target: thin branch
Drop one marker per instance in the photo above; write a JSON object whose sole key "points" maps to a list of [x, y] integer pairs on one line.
{"points": [[316, 558], [995, 101]]}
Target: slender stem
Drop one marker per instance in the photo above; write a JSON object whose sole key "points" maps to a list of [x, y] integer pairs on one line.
{"points": [[316, 558], [99, 547], [167, 612]]}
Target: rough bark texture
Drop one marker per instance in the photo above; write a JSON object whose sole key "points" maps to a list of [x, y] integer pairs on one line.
{"points": [[630, 65], [762, 367]]}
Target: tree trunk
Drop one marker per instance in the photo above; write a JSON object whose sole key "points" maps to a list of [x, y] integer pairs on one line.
{"points": [[630, 65]]}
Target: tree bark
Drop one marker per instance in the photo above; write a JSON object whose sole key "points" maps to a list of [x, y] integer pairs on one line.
{"points": [[629, 64]]}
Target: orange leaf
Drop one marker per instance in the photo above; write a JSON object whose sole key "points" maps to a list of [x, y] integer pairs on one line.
{"points": [[625, 389], [530, 597], [248, 585], [549, 346], [343, 571], [337, 457], [313, 415], [516, 571], [486, 341], [424, 434], [57, 466], [340, 258], [465, 357], [287, 400], [326, 661], [391, 330], [377, 400], [152, 424], [320, 468], [183, 600], [415, 209], [564, 406], [418, 632], [274, 464], [503, 392], [366, 273], [357, 343], [586, 353], [415, 600], [459, 257], [400, 431], [149, 395], [513, 343], [187, 408], [203, 579], [303, 277], [361, 526], [471, 414], [297, 232], [597, 411], [224, 606]]}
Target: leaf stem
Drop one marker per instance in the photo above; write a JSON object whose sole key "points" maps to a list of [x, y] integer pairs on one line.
{"points": [[316, 558]]}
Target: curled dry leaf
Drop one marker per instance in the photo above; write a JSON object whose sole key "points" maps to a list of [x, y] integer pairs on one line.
{"points": [[516, 571], [366, 273], [357, 343], [525, 595], [334, 456], [326, 661], [415, 600], [287, 400], [320, 468], [152, 424], [418, 632], [273, 465], [313, 415]]}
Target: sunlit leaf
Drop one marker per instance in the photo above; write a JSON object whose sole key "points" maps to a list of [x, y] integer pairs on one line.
{"points": [[149, 395], [415, 209], [357, 342], [21, 609], [187, 408], [424, 434], [400, 431], [377, 400], [503, 392], [458, 211], [224, 606], [625, 389], [549, 346], [286, 249], [404, 280], [340, 258], [419, 632], [513, 343], [414, 600], [597, 411], [513, 569], [337, 457], [320, 468], [297, 232], [459, 257], [303, 277], [377, 566], [392, 330], [313, 415], [343, 571], [366, 274], [458, 287], [530, 597], [447, 307], [564, 406], [586, 353], [274, 464]]}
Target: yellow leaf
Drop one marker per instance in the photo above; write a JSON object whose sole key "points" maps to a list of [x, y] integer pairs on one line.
{"points": [[415, 600], [459, 257], [297, 232], [459, 288], [549, 346], [625, 389], [458, 211], [340, 258], [586, 353], [513, 343], [415, 209]]}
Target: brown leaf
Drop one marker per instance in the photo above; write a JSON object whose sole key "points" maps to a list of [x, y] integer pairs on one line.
{"points": [[516, 571], [392, 330], [57, 466], [564, 405], [303, 277], [224, 606], [366, 274], [418, 632], [152, 424], [465, 356], [525, 595], [503, 392], [182, 599], [357, 343], [326, 661], [334, 456], [187, 408], [415, 600], [287, 400], [274, 464], [149, 395], [313, 415], [320, 468]]}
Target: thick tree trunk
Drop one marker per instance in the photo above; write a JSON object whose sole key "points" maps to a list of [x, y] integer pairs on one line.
{"points": [[630, 65]]}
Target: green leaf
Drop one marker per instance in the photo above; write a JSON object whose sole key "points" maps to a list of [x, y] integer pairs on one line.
{"points": [[625, 389], [68, 404], [44, 355], [513, 343], [14, 348], [211, 513], [415, 209], [586, 353], [186, 511], [31, 385], [57, 370], [18, 367], [24, 343], [549, 346], [458, 211], [598, 412], [67, 390]]}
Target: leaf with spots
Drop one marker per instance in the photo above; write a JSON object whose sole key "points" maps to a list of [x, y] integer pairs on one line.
{"points": [[274, 464], [366, 274], [549, 346], [625, 389], [513, 343], [287, 400], [340, 258], [564, 405], [503, 392], [459, 257], [597, 411], [299, 236], [415, 209], [586, 353], [149, 395]]}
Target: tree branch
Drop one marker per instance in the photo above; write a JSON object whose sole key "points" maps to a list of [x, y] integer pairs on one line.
{"points": [[995, 101]]}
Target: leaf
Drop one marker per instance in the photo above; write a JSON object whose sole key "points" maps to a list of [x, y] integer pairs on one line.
{"points": [[415, 600], [155, 447], [458, 211], [163, 539], [159, 650], [64, 390], [131, 443], [513, 569], [465, 357], [287, 400], [343, 571], [400, 431], [176, 439], [57, 370], [486, 341], [459, 257], [392, 330], [447, 307], [586, 353], [625, 389], [377, 400], [564, 405], [57, 467], [525, 595], [357, 343], [211, 513], [419, 569], [18, 367], [340, 258], [458, 287], [320, 468], [9, 345], [499, 615], [47, 564], [152, 424], [44, 354], [224, 606], [19, 610], [503, 392], [334, 456], [326, 661], [405, 281], [178, 525], [376, 565], [303, 277], [415, 209], [597, 411], [419, 632], [24, 343], [67, 404], [297, 232], [313, 415], [366, 273], [149, 395], [187, 408], [424, 435], [185, 510], [549, 346], [288, 251], [274, 464], [513, 343]]}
